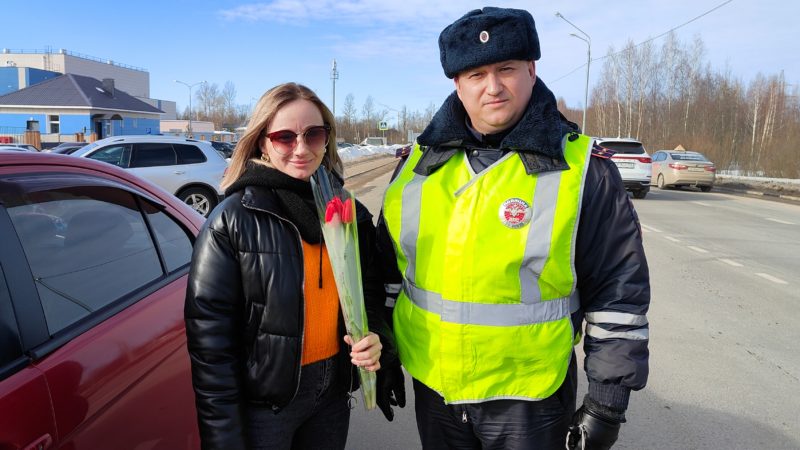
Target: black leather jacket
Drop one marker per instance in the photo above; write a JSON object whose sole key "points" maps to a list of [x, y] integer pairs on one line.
{"points": [[244, 312]]}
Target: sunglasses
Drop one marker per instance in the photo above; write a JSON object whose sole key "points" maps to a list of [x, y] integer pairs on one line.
{"points": [[285, 141]]}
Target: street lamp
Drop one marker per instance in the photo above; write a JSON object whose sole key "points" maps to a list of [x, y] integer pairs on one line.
{"points": [[190, 86], [588, 41]]}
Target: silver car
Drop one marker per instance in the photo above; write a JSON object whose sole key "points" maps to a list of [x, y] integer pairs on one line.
{"points": [[188, 168], [676, 168]]}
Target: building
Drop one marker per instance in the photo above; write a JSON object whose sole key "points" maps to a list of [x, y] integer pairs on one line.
{"points": [[74, 107]]}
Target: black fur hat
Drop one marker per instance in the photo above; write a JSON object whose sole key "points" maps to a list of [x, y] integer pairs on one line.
{"points": [[486, 36]]}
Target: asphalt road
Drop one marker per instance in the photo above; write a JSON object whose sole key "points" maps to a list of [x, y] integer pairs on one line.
{"points": [[724, 342]]}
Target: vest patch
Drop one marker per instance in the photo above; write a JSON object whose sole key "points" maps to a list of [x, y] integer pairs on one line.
{"points": [[515, 213]]}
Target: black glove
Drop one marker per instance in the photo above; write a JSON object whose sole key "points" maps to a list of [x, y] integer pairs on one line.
{"points": [[391, 390], [594, 427]]}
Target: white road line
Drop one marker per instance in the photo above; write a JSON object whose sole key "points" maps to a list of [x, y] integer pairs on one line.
{"points": [[697, 249], [701, 203], [779, 221], [654, 230], [730, 262], [769, 277], [670, 238]]}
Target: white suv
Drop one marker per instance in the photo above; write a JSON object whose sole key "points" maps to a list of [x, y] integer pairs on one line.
{"points": [[633, 163], [188, 168]]}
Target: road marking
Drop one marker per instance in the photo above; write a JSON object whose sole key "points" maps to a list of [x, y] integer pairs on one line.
{"points": [[730, 262], [654, 230], [701, 203], [697, 249], [670, 238], [780, 221], [769, 277]]}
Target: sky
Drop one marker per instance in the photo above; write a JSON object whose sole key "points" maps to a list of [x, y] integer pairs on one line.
{"points": [[386, 49]]}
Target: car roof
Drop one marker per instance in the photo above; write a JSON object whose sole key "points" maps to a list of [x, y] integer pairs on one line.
{"points": [[617, 139], [51, 161]]}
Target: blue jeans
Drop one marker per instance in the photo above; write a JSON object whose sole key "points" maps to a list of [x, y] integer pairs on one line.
{"points": [[317, 418]]}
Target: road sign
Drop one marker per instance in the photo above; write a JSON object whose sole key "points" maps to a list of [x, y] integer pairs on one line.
{"points": [[383, 126]]}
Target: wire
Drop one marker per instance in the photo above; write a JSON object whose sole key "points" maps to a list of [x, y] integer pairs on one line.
{"points": [[644, 42]]}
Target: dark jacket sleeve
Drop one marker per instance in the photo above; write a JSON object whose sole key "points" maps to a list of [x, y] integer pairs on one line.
{"points": [[213, 313], [614, 287], [374, 294]]}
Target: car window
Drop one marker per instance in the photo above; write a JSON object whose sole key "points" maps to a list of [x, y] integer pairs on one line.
{"points": [[86, 247], [174, 242], [118, 155], [10, 346], [153, 155], [189, 154], [623, 147], [688, 157]]}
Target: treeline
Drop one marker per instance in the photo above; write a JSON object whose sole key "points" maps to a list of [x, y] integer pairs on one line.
{"points": [[669, 96], [665, 96]]}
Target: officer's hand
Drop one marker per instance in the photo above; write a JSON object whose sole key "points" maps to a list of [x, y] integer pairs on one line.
{"points": [[592, 428], [391, 390]]}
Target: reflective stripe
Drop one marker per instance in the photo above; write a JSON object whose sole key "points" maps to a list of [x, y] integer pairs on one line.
{"points": [[633, 335], [537, 246], [616, 318], [392, 288], [409, 228], [490, 313]]}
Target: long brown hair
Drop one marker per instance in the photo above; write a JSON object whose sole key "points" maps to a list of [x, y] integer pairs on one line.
{"points": [[264, 112]]}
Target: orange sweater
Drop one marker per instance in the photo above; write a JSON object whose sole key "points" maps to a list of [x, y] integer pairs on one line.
{"points": [[321, 337]]}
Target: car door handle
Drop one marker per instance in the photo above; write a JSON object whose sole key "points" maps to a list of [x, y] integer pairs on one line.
{"points": [[180, 172], [42, 443]]}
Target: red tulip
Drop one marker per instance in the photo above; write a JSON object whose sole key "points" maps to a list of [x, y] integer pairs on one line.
{"points": [[348, 211], [334, 208]]}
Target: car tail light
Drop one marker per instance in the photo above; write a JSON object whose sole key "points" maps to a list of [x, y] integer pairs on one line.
{"points": [[678, 166], [645, 159], [710, 168]]}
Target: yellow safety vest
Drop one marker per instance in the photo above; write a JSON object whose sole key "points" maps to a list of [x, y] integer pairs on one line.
{"points": [[488, 274]]}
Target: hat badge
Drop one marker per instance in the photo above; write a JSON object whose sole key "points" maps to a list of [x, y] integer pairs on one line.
{"points": [[484, 36], [515, 213]]}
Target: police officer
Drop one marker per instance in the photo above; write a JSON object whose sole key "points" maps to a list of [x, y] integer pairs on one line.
{"points": [[507, 229]]}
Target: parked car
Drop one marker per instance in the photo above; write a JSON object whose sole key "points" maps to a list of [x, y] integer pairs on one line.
{"points": [[633, 163], [93, 271], [676, 168], [19, 147], [189, 168], [224, 148], [66, 148]]}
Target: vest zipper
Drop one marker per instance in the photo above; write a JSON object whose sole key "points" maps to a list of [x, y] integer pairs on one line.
{"points": [[464, 418]]}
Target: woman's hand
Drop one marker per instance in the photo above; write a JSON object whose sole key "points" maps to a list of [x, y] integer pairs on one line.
{"points": [[365, 353]]}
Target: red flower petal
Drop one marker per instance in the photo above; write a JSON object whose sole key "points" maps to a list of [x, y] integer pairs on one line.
{"points": [[347, 211]]}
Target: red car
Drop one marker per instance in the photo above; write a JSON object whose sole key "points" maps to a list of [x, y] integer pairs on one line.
{"points": [[93, 268]]}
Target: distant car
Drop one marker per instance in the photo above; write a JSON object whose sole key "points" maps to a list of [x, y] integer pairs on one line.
{"points": [[93, 270], [225, 148], [19, 147], [403, 151], [66, 148], [189, 168], [633, 163], [676, 168]]}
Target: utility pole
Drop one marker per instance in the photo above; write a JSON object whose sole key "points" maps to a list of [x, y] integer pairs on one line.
{"points": [[334, 77]]}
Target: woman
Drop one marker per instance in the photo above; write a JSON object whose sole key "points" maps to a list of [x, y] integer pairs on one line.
{"points": [[262, 313]]}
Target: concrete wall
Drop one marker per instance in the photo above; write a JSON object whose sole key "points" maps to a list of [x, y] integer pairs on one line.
{"points": [[134, 82]]}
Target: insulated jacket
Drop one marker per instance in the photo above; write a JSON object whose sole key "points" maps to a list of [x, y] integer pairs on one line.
{"points": [[610, 267], [245, 312]]}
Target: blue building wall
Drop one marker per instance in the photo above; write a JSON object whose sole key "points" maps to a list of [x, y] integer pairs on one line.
{"points": [[128, 126], [9, 80], [21, 120], [73, 123], [33, 76]]}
